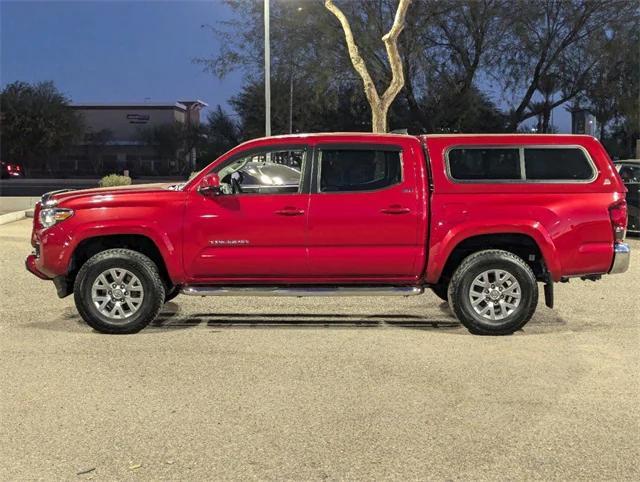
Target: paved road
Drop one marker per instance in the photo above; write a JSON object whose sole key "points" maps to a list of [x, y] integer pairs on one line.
{"points": [[37, 187], [318, 388]]}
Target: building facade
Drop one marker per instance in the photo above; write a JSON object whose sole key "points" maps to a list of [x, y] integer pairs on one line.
{"points": [[117, 138], [584, 122]]}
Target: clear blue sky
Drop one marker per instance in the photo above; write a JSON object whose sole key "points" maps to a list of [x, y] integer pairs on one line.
{"points": [[107, 51], [111, 51]]}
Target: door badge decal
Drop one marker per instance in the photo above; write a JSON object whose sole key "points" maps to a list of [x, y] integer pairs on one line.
{"points": [[229, 242]]}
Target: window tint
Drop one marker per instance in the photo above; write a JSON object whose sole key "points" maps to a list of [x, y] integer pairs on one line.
{"points": [[358, 170], [273, 172], [480, 164], [556, 164]]}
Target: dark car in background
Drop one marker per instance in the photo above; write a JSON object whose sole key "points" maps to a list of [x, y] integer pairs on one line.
{"points": [[10, 170], [629, 171]]}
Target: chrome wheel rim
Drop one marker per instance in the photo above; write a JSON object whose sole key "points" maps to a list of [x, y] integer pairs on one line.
{"points": [[495, 294], [117, 293]]}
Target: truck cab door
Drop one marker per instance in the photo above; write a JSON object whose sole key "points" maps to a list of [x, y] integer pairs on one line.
{"points": [[366, 212], [255, 228]]}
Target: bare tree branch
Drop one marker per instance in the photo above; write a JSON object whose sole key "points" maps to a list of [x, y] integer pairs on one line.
{"points": [[379, 105], [354, 53], [391, 43]]}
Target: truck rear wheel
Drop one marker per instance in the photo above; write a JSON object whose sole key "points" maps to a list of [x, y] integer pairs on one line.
{"points": [[493, 292], [119, 291]]}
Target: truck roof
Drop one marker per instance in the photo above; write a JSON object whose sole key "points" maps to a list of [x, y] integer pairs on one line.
{"points": [[424, 136]]}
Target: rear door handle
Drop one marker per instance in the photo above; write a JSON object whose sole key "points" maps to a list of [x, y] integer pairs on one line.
{"points": [[290, 212], [395, 210]]}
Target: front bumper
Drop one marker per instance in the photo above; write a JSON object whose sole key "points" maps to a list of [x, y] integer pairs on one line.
{"points": [[621, 258], [63, 285], [30, 264]]}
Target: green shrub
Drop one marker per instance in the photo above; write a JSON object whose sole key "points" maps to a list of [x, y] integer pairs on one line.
{"points": [[113, 180], [193, 174]]}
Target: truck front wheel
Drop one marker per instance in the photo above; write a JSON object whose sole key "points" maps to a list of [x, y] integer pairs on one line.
{"points": [[441, 290], [171, 293], [119, 291], [493, 292]]}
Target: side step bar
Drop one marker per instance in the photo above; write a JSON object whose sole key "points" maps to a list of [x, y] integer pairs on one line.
{"points": [[302, 291]]}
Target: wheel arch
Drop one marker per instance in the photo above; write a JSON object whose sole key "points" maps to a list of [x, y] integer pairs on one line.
{"points": [[536, 249], [140, 243]]}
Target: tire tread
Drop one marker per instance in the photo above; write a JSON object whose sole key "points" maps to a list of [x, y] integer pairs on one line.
{"points": [[461, 271], [143, 263]]}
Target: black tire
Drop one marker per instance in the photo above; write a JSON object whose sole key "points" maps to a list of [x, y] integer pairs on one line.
{"points": [[441, 290], [171, 293], [136, 263], [474, 265]]}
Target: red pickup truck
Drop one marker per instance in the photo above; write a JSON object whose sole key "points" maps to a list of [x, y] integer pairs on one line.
{"points": [[478, 219]]}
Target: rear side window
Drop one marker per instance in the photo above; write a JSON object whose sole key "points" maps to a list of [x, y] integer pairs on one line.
{"points": [[568, 164], [490, 164], [358, 170], [519, 164]]}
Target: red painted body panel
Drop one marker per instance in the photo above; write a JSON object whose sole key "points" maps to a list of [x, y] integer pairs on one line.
{"points": [[376, 233], [275, 243], [568, 221], [152, 211], [338, 238]]}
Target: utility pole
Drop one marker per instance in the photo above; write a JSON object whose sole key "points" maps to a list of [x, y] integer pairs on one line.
{"points": [[267, 72], [291, 100], [291, 65]]}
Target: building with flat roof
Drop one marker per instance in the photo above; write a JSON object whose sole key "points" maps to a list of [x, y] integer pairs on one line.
{"points": [[115, 140], [583, 122]]}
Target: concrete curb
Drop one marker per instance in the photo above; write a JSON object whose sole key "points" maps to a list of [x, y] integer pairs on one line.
{"points": [[11, 217], [18, 203]]}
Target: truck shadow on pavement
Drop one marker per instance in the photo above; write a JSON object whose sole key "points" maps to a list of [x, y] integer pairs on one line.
{"points": [[298, 320], [171, 318], [547, 322]]}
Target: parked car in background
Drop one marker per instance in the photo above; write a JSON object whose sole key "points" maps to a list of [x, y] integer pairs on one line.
{"points": [[10, 170], [629, 171], [478, 219]]}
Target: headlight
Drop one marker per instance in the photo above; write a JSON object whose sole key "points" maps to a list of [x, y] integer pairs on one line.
{"points": [[52, 216]]}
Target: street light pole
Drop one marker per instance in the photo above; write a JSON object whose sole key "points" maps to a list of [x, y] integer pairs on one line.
{"points": [[291, 65], [291, 100], [267, 72]]}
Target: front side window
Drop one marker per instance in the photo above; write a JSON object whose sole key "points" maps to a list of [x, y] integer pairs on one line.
{"points": [[344, 170], [556, 164], [468, 164], [269, 172]]}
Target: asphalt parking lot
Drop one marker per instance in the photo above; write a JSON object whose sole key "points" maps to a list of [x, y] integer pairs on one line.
{"points": [[346, 388]]}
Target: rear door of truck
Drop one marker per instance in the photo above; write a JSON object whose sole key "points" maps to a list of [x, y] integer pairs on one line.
{"points": [[368, 210]]}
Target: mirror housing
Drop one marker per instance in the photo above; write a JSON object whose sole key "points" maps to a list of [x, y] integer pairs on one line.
{"points": [[210, 185]]}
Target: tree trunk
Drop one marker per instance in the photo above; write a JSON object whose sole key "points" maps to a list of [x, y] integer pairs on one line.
{"points": [[379, 104], [415, 109], [378, 118], [546, 116]]}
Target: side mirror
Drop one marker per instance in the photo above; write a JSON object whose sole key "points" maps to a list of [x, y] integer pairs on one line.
{"points": [[210, 185]]}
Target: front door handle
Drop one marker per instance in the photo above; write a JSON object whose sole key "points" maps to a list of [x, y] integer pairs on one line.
{"points": [[288, 211], [395, 209]]}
